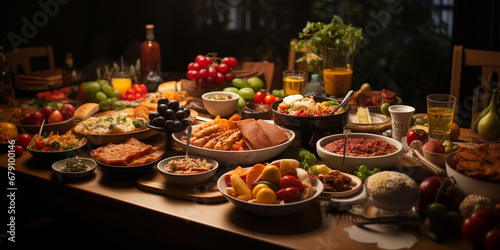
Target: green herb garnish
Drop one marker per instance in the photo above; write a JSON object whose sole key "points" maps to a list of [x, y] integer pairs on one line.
{"points": [[112, 126], [139, 123]]}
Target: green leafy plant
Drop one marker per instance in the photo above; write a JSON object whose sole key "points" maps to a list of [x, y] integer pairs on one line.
{"points": [[317, 36]]}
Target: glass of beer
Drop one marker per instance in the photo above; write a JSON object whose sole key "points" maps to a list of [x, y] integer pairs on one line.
{"points": [[337, 71], [293, 82], [440, 110]]}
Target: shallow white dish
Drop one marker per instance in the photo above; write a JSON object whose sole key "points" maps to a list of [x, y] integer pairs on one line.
{"points": [[352, 162], [186, 179], [59, 164], [468, 185], [356, 185], [377, 118], [232, 159], [268, 209]]}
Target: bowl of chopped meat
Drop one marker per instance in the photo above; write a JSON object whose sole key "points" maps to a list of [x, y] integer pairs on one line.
{"points": [[187, 170], [372, 150]]}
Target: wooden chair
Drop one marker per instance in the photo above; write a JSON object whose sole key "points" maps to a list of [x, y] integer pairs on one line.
{"points": [[21, 58], [267, 68], [489, 61]]}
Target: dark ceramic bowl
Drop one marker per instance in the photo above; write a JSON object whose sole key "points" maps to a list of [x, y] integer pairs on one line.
{"points": [[331, 123]]}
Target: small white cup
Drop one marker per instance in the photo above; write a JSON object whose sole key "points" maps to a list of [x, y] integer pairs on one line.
{"points": [[401, 117]]}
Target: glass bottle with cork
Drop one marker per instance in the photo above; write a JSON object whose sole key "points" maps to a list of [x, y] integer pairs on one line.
{"points": [[150, 54], [71, 75]]}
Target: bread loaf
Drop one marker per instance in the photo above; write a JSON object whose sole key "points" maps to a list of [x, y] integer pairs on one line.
{"points": [[85, 111]]}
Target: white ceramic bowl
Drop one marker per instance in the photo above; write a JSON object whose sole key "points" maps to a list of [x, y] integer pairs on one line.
{"points": [[468, 185], [232, 159], [186, 179], [352, 162], [59, 164], [223, 108], [269, 209]]}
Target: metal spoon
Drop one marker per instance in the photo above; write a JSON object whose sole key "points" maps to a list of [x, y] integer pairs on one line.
{"points": [[188, 139], [41, 128], [346, 98]]}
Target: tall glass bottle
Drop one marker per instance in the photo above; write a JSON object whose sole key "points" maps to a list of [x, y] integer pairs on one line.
{"points": [[71, 75], [6, 90], [150, 54]]}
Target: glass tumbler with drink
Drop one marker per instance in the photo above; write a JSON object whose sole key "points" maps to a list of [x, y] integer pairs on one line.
{"points": [[293, 82], [337, 71], [121, 81], [440, 110]]}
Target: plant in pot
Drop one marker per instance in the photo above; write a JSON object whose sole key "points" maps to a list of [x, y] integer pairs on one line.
{"points": [[330, 47]]}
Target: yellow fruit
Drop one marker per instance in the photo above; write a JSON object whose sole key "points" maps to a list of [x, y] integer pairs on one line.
{"points": [[265, 195], [272, 174], [257, 188], [455, 132], [8, 129], [323, 169], [243, 192]]}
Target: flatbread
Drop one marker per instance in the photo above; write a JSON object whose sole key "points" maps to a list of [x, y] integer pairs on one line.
{"points": [[261, 134]]}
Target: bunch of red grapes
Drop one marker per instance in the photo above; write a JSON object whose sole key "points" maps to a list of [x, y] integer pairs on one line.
{"points": [[206, 69]]}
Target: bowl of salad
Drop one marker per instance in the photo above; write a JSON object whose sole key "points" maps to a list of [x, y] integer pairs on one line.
{"points": [[55, 147], [187, 170], [74, 167], [221, 103]]}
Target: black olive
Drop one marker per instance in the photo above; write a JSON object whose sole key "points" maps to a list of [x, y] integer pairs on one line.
{"points": [[153, 115], [174, 105], [161, 108], [162, 100], [159, 121], [187, 111], [185, 122], [169, 114], [180, 114], [169, 124], [177, 124]]}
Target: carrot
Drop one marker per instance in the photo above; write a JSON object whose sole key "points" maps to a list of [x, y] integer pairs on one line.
{"points": [[254, 174]]}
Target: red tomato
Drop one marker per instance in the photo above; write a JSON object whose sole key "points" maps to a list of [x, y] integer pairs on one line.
{"points": [[492, 240], [277, 98], [269, 99], [203, 73], [138, 96], [288, 194], [195, 74], [23, 140], [38, 145], [55, 117], [474, 229], [130, 91], [212, 70], [131, 97], [429, 188], [202, 61], [486, 216], [18, 150], [219, 78], [135, 86], [200, 82], [291, 181], [259, 97], [416, 134], [144, 89], [196, 66], [190, 66], [229, 75], [209, 79], [123, 96], [230, 61]]}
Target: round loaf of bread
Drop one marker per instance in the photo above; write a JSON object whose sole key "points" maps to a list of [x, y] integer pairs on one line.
{"points": [[392, 191]]}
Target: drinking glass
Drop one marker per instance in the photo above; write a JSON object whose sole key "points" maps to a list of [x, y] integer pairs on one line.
{"points": [[337, 71], [293, 82], [440, 110], [121, 81]]}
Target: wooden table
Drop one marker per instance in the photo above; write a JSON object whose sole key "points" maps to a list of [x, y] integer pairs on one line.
{"points": [[156, 218]]}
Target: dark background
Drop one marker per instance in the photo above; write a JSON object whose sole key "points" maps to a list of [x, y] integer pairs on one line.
{"points": [[411, 55]]}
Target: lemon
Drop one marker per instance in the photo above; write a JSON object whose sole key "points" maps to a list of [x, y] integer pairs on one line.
{"points": [[257, 188], [265, 195]]}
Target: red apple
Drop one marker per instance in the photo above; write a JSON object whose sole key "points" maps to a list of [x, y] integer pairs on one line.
{"points": [[434, 147], [55, 117], [46, 111], [36, 118], [67, 111]]}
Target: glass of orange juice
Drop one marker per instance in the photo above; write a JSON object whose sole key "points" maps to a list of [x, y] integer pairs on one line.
{"points": [[293, 82], [337, 71], [440, 110], [121, 81]]}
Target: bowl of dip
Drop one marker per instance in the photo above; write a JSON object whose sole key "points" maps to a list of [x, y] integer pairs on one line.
{"points": [[222, 103]]}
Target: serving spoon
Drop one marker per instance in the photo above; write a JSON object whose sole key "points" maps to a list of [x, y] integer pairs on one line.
{"points": [[346, 98], [188, 139], [41, 128]]}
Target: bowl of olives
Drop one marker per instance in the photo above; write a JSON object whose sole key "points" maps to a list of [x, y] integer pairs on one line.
{"points": [[170, 116]]}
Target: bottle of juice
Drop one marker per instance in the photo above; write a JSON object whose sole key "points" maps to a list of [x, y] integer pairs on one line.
{"points": [[150, 54]]}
